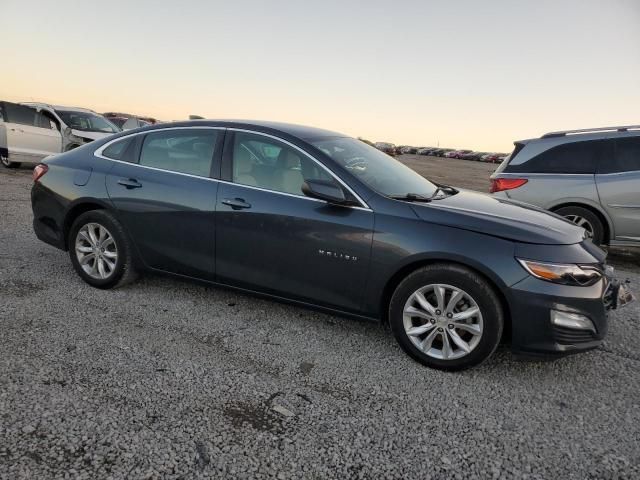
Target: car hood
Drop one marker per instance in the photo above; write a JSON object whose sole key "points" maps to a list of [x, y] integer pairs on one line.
{"points": [[498, 217], [91, 135]]}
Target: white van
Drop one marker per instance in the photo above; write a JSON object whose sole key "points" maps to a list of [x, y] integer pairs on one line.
{"points": [[26, 135]]}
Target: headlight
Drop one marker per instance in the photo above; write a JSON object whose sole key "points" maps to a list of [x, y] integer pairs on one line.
{"points": [[576, 275]]}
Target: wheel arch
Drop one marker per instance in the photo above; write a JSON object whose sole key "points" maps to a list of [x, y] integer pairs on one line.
{"points": [[592, 207], [412, 266], [75, 210]]}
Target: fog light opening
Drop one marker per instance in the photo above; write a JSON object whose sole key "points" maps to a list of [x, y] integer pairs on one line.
{"points": [[572, 320]]}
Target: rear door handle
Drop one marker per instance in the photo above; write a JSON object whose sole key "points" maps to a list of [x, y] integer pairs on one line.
{"points": [[129, 183], [236, 203]]}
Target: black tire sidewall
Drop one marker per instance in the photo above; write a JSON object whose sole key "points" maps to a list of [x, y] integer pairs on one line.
{"points": [[596, 223], [470, 282], [110, 223]]}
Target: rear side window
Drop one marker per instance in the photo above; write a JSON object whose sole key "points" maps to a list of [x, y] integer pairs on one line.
{"points": [[20, 114], [117, 150], [569, 158], [185, 151], [626, 158]]}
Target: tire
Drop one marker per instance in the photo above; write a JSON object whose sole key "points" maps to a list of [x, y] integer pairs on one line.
{"points": [[480, 332], [116, 254], [585, 218], [8, 164]]}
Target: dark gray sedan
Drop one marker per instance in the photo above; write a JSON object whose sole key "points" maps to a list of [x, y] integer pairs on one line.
{"points": [[327, 221]]}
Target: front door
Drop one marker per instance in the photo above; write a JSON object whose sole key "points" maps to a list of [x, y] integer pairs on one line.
{"points": [[618, 182], [270, 237], [164, 195]]}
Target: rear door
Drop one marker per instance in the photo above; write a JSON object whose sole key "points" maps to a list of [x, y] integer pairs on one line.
{"points": [[162, 188], [618, 181]]}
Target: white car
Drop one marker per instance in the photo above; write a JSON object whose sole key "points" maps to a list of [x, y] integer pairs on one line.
{"points": [[77, 125], [26, 135]]}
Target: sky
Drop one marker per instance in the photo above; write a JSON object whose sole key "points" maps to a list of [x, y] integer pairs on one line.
{"points": [[466, 74]]}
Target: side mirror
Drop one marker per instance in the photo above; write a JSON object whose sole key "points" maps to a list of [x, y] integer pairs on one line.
{"points": [[325, 190]]}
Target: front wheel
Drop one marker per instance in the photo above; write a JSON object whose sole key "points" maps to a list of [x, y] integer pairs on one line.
{"points": [[7, 163], [446, 316], [100, 250]]}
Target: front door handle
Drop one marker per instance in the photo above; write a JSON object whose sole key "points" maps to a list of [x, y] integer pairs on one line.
{"points": [[236, 203], [129, 183]]}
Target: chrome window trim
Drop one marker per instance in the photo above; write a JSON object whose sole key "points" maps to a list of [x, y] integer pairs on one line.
{"points": [[363, 204], [98, 153]]}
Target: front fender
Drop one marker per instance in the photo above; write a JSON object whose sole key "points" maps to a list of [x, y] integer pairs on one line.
{"points": [[402, 244]]}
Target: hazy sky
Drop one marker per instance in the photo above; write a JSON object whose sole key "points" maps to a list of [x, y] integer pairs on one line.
{"points": [[476, 74]]}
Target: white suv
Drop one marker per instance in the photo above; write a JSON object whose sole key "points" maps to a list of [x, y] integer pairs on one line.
{"points": [[77, 125], [26, 135]]}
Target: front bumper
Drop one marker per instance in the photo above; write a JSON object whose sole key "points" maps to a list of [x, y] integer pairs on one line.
{"points": [[531, 301]]}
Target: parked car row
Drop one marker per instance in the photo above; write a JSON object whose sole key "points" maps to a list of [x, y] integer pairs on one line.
{"points": [[127, 121], [391, 149]]}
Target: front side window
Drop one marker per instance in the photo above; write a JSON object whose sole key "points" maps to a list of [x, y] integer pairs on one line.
{"points": [[87, 121], [568, 158], [260, 161], [42, 121], [376, 169], [185, 151], [626, 158]]}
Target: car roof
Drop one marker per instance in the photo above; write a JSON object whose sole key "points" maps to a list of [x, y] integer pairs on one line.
{"points": [[57, 107], [567, 136], [299, 131]]}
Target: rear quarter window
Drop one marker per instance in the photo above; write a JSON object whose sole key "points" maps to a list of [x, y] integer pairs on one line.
{"points": [[119, 150], [568, 158]]}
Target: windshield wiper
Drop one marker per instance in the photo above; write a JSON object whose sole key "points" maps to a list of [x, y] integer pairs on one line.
{"points": [[416, 197], [442, 189], [411, 197]]}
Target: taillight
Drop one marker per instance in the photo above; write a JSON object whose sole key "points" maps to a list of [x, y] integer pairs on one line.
{"points": [[39, 171], [501, 184]]}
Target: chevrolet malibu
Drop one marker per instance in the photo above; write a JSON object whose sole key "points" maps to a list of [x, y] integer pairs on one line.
{"points": [[324, 220]]}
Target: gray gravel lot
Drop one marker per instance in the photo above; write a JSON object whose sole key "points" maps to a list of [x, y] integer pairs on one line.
{"points": [[170, 379]]}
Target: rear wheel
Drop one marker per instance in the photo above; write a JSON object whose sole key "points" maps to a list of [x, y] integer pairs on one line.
{"points": [[100, 250], [586, 219], [446, 316]]}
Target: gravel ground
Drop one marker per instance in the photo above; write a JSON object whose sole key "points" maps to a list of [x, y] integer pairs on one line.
{"points": [[170, 379]]}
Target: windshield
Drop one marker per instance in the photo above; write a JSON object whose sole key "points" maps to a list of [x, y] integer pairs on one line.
{"points": [[87, 121], [378, 170]]}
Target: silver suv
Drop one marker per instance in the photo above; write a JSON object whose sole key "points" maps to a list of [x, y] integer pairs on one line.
{"points": [[591, 177]]}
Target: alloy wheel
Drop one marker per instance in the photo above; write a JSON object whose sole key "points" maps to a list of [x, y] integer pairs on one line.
{"points": [[581, 222], [96, 251], [443, 321]]}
